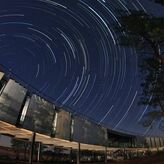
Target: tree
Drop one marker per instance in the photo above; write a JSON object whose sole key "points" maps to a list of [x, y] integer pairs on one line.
{"points": [[159, 1], [146, 33], [143, 31], [152, 89]]}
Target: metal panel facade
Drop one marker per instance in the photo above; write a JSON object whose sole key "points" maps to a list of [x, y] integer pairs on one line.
{"points": [[11, 101], [39, 116], [89, 133], [63, 128]]}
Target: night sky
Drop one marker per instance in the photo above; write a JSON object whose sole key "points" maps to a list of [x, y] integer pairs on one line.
{"points": [[67, 50]]}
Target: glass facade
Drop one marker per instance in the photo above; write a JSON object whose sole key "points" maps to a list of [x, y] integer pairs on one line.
{"points": [[11, 100], [38, 116], [63, 125], [88, 132]]}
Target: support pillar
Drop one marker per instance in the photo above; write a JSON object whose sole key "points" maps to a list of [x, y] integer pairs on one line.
{"points": [[137, 153], [32, 148], [106, 160], [38, 153], [70, 155], [78, 153]]}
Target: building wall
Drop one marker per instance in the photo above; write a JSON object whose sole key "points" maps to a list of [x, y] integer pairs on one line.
{"points": [[39, 116], [11, 100]]}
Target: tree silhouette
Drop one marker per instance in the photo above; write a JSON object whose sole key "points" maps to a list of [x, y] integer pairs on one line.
{"points": [[146, 33], [152, 89], [159, 1]]}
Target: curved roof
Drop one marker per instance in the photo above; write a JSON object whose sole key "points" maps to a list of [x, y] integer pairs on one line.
{"points": [[67, 50]]}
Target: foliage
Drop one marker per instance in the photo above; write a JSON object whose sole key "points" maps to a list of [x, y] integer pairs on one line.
{"points": [[146, 33], [153, 83], [159, 1], [143, 31]]}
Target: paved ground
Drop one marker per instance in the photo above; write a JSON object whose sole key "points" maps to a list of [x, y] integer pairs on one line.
{"points": [[156, 159]]}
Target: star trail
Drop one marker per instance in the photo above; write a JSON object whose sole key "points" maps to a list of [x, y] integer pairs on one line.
{"points": [[67, 50]]}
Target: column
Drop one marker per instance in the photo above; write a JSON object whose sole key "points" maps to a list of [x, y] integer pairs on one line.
{"points": [[38, 153], [78, 153], [32, 148], [106, 160]]}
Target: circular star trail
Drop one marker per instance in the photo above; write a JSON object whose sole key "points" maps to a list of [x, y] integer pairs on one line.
{"points": [[68, 51]]}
